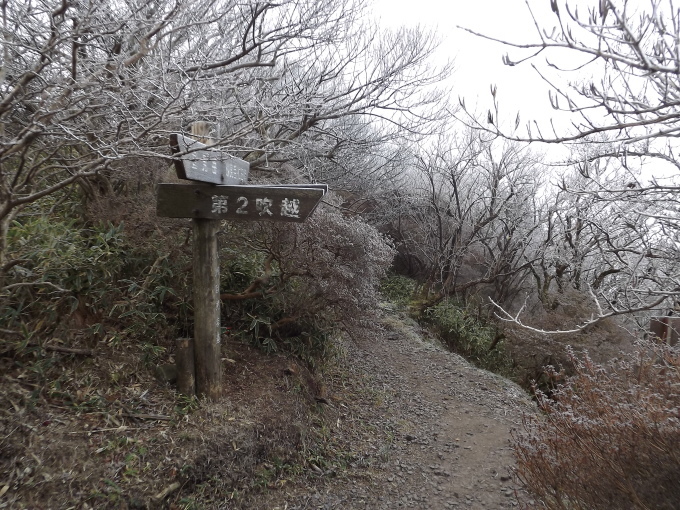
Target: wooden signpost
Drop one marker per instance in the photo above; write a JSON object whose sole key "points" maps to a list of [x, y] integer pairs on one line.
{"points": [[276, 203], [665, 329], [208, 204]]}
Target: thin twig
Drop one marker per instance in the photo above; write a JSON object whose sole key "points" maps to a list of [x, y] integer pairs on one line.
{"points": [[160, 417]]}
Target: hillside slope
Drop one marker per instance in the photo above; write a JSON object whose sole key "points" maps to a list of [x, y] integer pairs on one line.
{"points": [[396, 421]]}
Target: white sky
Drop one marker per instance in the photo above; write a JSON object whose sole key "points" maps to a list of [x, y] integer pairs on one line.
{"points": [[478, 62]]}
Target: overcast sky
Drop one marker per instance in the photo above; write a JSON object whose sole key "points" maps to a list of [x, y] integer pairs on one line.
{"points": [[478, 62]]}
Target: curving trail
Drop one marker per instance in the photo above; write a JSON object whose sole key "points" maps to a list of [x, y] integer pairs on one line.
{"points": [[450, 424]]}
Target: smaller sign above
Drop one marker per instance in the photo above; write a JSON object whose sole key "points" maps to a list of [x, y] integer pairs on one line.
{"points": [[255, 203], [198, 162]]}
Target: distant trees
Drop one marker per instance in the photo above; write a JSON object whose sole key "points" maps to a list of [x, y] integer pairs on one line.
{"points": [[466, 215], [619, 219]]}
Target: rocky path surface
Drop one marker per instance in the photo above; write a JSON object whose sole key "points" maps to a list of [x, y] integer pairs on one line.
{"points": [[451, 424]]}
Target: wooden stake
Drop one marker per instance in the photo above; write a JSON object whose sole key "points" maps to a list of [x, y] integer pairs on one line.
{"points": [[186, 374], [206, 269]]}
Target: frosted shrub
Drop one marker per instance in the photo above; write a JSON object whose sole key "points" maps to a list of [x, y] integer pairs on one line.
{"points": [[609, 437], [338, 263], [315, 277]]}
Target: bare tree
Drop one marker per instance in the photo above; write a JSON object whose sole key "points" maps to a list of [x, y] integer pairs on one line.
{"points": [[467, 217], [315, 104], [626, 117], [88, 85]]}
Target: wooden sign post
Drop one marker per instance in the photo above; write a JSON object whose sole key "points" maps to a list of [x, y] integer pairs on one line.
{"points": [[665, 329], [208, 204], [206, 292]]}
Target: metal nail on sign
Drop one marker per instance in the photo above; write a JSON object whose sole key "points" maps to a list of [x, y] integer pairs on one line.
{"points": [[196, 161]]}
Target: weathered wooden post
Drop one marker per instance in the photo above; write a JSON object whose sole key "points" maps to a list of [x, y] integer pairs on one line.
{"points": [[184, 360], [206, 292], [207, 205], [665, 329]]}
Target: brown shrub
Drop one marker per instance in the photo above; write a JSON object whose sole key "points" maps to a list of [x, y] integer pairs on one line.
{"points": [[324, 273], [609, 438], [532, 351]]}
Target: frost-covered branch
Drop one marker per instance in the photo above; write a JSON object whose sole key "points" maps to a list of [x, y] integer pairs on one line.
{"points": [[504, 315]]}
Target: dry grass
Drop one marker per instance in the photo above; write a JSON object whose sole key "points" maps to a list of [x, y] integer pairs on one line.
{"points": [[609, 439], [79, 431]]}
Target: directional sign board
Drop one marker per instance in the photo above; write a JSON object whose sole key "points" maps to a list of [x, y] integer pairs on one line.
{"points": [[197, 162], [275, 203], [206, 204]]}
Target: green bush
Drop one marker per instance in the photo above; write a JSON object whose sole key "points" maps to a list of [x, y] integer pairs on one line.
{"points": [[70, 273], [398, 289], [59, 265], [466, 335]]}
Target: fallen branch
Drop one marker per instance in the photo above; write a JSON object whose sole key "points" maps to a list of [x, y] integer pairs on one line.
{"points": [[149, 277], [167, 491], [250, 295], [57, 348], [286, 320], [505, 316], [122, 428], [11, 332], [68, 350], [253, 290], [35, 284]]}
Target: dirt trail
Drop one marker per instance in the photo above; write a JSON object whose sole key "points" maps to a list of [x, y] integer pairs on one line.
{"points": [[451, 425], [399, 423]]}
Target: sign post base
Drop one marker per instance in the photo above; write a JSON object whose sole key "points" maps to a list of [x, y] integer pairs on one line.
{"points": [[207, 342]]}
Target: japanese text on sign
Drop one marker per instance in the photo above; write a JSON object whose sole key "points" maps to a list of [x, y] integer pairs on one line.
{"points": [[288, 207]]}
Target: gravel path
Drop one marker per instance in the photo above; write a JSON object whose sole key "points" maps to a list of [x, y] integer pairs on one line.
{"points": [[451, 424]]}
